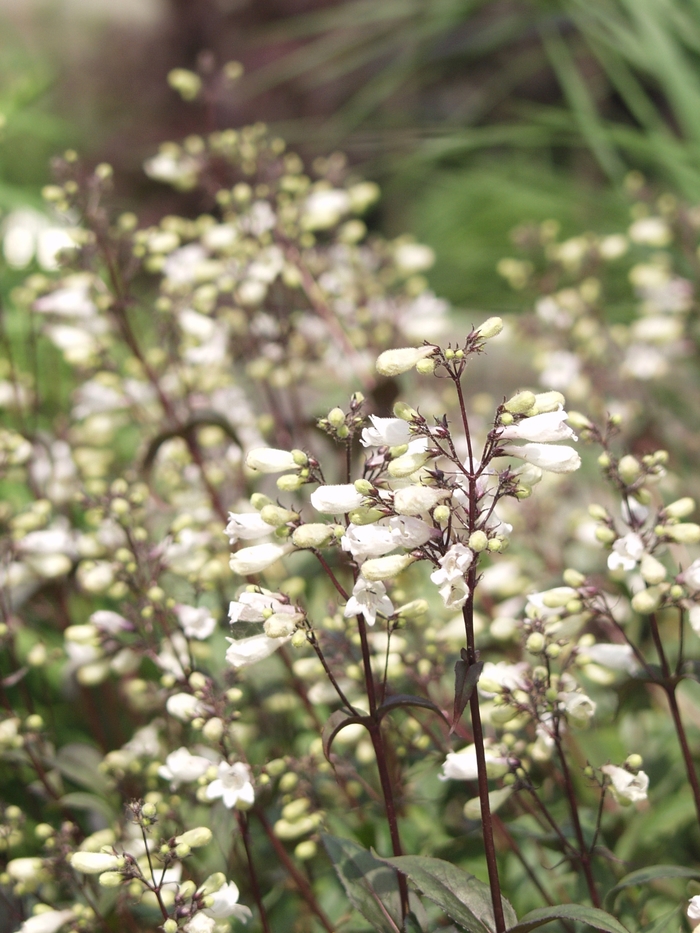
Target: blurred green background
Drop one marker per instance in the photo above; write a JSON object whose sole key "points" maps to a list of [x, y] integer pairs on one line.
{"points": [[474, 115]]}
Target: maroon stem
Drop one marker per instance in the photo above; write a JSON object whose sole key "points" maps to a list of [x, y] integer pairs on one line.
{"points": [[245, 833]]}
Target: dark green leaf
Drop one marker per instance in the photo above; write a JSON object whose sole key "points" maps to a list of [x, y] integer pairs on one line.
{"points": [[370, 885], [336, 722], [463, 897], [645, 875], [660, 925], [406, 699], [466, 678], [592, 916]]}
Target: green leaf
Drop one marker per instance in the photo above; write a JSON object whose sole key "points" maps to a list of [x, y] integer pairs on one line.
{"points": [[661, 923], [371, 886], [80, 762], [406, 699], [463, 897], [81, 800], [466, 678], [645, 875], [336, 722], [592, 916]]}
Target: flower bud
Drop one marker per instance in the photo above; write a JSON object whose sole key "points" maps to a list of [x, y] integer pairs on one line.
{"points": [[213, 729], [185, 82], [558, 597], [93, 863], [281, 624], [425, 367], [478, 541], [578, 421], [395, 362], [170, 925], [315, 534], [299, 638], [336, 417], [599, 512], [275, 515], [417, 607], [687, 533], [573, 578], [548, 401], [441, 514], [195, 838], [681, 508], [111, 879], [270, 460], [490, 328], [605, 535], [647, 601], [365, 516], [363, 486], [213, 883], [535, 642], [629, 469], [290, 482], [634, 762], [520, 403], [383, 568], [407, 464], [404, 411], [652, 570]]}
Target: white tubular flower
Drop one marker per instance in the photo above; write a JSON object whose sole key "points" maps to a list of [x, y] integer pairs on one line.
{"points": [[224, 903], [416, 500], [257, 558], [693, 910], [578, 707], [451, 577], [336, 500], [627, 788], [270, 460], [363, 541], [546, 428], [385, 432], [110, 622], [94, 863], [626, 552], [384, 568], [410, 532], [546, 456], [691, 576], [200, 923], [233, 785], [26, 870], [196, 623], [614, 657], [326, 208], [256, 606], [395, 362], [181, 767], [369, 599], [462, 765], [313, 534], [243, 652], [184, 706], [246, 526], [50, 921], [496, 676]]}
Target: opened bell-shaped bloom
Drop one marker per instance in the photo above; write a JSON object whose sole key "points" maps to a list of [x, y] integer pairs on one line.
{"points": [[627, 551], [196, 622], [386, 432], [627, 787], [233, 785], [256, 606], [181, 767], [242, 652], [363, 541], [224, 903], [548, 457], [369, 599], [246, 526], [451, 577]]}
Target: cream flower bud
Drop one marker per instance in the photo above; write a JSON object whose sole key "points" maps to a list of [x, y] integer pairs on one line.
{"points": [[336, 500], [478, 541], [94, 863], [195, 838], [275, 515], [544, 428], [558, 596], [407, 464], [579, 421], [520, 403], [404, 411], [490, 328], [50, 921], [213, 883], [652, 570], [383, 568], [111, 879], [630, 469], [681, 508], [257, 558], [243, 652], [647, 601], [546, 456], [687, 533], [414, 500], [548, 401], [395, 362], [184, 706], [25, 870], [315, 534], [270, 460], [282, 624]]}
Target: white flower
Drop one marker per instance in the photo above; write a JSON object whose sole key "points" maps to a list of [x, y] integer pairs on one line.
{"points": [[546, 456], [25, 870], [325, 208], [181, 767], [270, 460], [257, 558], [256, 606], [94, 863], [184, 706], [578, 707], [200, 923], [627, 788], [312, 535], [394, 362], [414, 257], [410, 532], [545, 428], [501, 674], [462, 765], [415, 500], [49, 922], [364, 541], [693, 910], [691, 576], [336, 500], [234, 783], [224, 903], [650, 231], [386, 432], [110, 622], [626, 552], [615, 657], [73, 301], [451, 577], [245, 526], [368, 599], [245, 651], [196, 622], [383, 568]]}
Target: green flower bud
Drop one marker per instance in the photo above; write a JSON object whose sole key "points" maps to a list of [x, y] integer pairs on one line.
{"points": [[605, 535], [111, 879], [520, 403], [652, 570], [425, 367], [195, 838], [634, 762], [681, 508], [647, 601], [535, 642], [687, 533], [548, 401], [404, 411], [336, 417], [630, 469], [363, 486], [478, 541], [490, 328], [275, 515], [290, 482], [364, 516], [573, 578]]}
